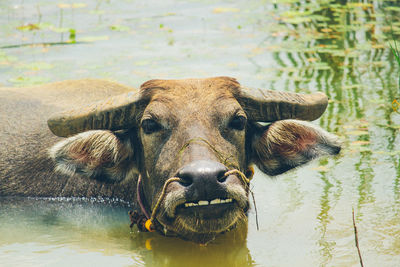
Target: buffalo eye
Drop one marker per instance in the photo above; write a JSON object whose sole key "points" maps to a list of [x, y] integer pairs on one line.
{"points": [[238, 122], [150, 126]]}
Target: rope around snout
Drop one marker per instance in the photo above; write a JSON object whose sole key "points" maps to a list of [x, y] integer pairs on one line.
{"points": [[161, 198], [246, 182], [149, 224], [242, 176]]}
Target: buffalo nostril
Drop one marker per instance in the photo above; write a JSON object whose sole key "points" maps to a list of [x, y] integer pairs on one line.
{"points": [[221, 177], [202, 172], [185, 180]]}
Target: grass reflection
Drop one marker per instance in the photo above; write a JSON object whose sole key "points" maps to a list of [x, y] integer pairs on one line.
{"points": [[324, 219], [340, 48]]}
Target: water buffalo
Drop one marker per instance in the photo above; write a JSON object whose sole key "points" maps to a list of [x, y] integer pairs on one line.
{"points": [[182, 150]]}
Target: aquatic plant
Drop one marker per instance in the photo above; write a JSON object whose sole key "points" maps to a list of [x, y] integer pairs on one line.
{"points": [[396, 52]]}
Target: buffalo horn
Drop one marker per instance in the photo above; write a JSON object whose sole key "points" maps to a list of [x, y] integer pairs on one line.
{"points": [[268, 105], [114, 113]]}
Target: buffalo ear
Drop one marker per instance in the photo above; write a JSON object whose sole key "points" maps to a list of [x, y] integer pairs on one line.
{"points": [[97, 154], [286, 144]]}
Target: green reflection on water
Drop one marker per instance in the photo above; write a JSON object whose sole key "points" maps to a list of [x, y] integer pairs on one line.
{"points": [[337, 47], [348, 37]]}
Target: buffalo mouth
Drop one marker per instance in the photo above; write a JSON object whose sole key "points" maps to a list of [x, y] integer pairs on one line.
{"points": [[206, 209], [206, 216], [216, 201]]}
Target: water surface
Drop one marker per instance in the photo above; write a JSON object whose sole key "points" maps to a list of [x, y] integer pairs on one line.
{"points": [[305, 216]]}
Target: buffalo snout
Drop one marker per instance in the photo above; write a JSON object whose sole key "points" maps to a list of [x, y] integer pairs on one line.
{"points": [[207, 197], [203, 179]]}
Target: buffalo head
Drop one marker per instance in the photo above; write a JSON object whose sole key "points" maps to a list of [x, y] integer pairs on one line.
{"points": [[192, 143]]}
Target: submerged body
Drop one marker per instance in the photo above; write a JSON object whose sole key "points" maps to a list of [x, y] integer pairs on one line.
{"points": [[25, 139], [186, 146]]}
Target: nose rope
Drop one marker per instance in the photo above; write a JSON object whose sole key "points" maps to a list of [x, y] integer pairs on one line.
{"points": [[146, 222], [242, 176], [246, 182], [162, 195], [222, 157], [149, 224]]}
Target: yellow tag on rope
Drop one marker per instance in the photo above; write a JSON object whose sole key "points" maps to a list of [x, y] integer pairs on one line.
{"points": [[148, 224]]}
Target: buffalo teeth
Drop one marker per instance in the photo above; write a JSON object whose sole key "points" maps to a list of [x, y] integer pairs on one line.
{"points": [[215, 201], [205, 202]]}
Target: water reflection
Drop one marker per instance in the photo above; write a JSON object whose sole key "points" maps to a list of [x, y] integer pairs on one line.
{"points": [[340, 47], [227, 250], [99, 227], [337, 47]]}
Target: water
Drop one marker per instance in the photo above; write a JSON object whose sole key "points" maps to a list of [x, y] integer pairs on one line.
{"points": [[305, 216]]}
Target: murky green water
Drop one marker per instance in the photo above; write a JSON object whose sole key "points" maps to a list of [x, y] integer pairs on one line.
{"points": [[338, 47]]}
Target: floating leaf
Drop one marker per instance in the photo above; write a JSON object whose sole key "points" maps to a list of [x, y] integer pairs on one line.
{"points": [[75, 5], [72, 36], [286, 1], [36, 66], [232, 64], [94, 38], [321, 168], [357, 133], [390, 153], [326, 30], [294, 13], [320, 66], [296, 20], [62, 5], [169, 14], [120, 28], [97, 12], [393, 8], [25, 81], [225, 9], [352, 86], [360, 143], [394, 126], [78, 5], [377, 101], [352, 5], [45, 25], [365, 149], [378, 46], [6, 59], [28, 27], [142, 63], [59, 30]]}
